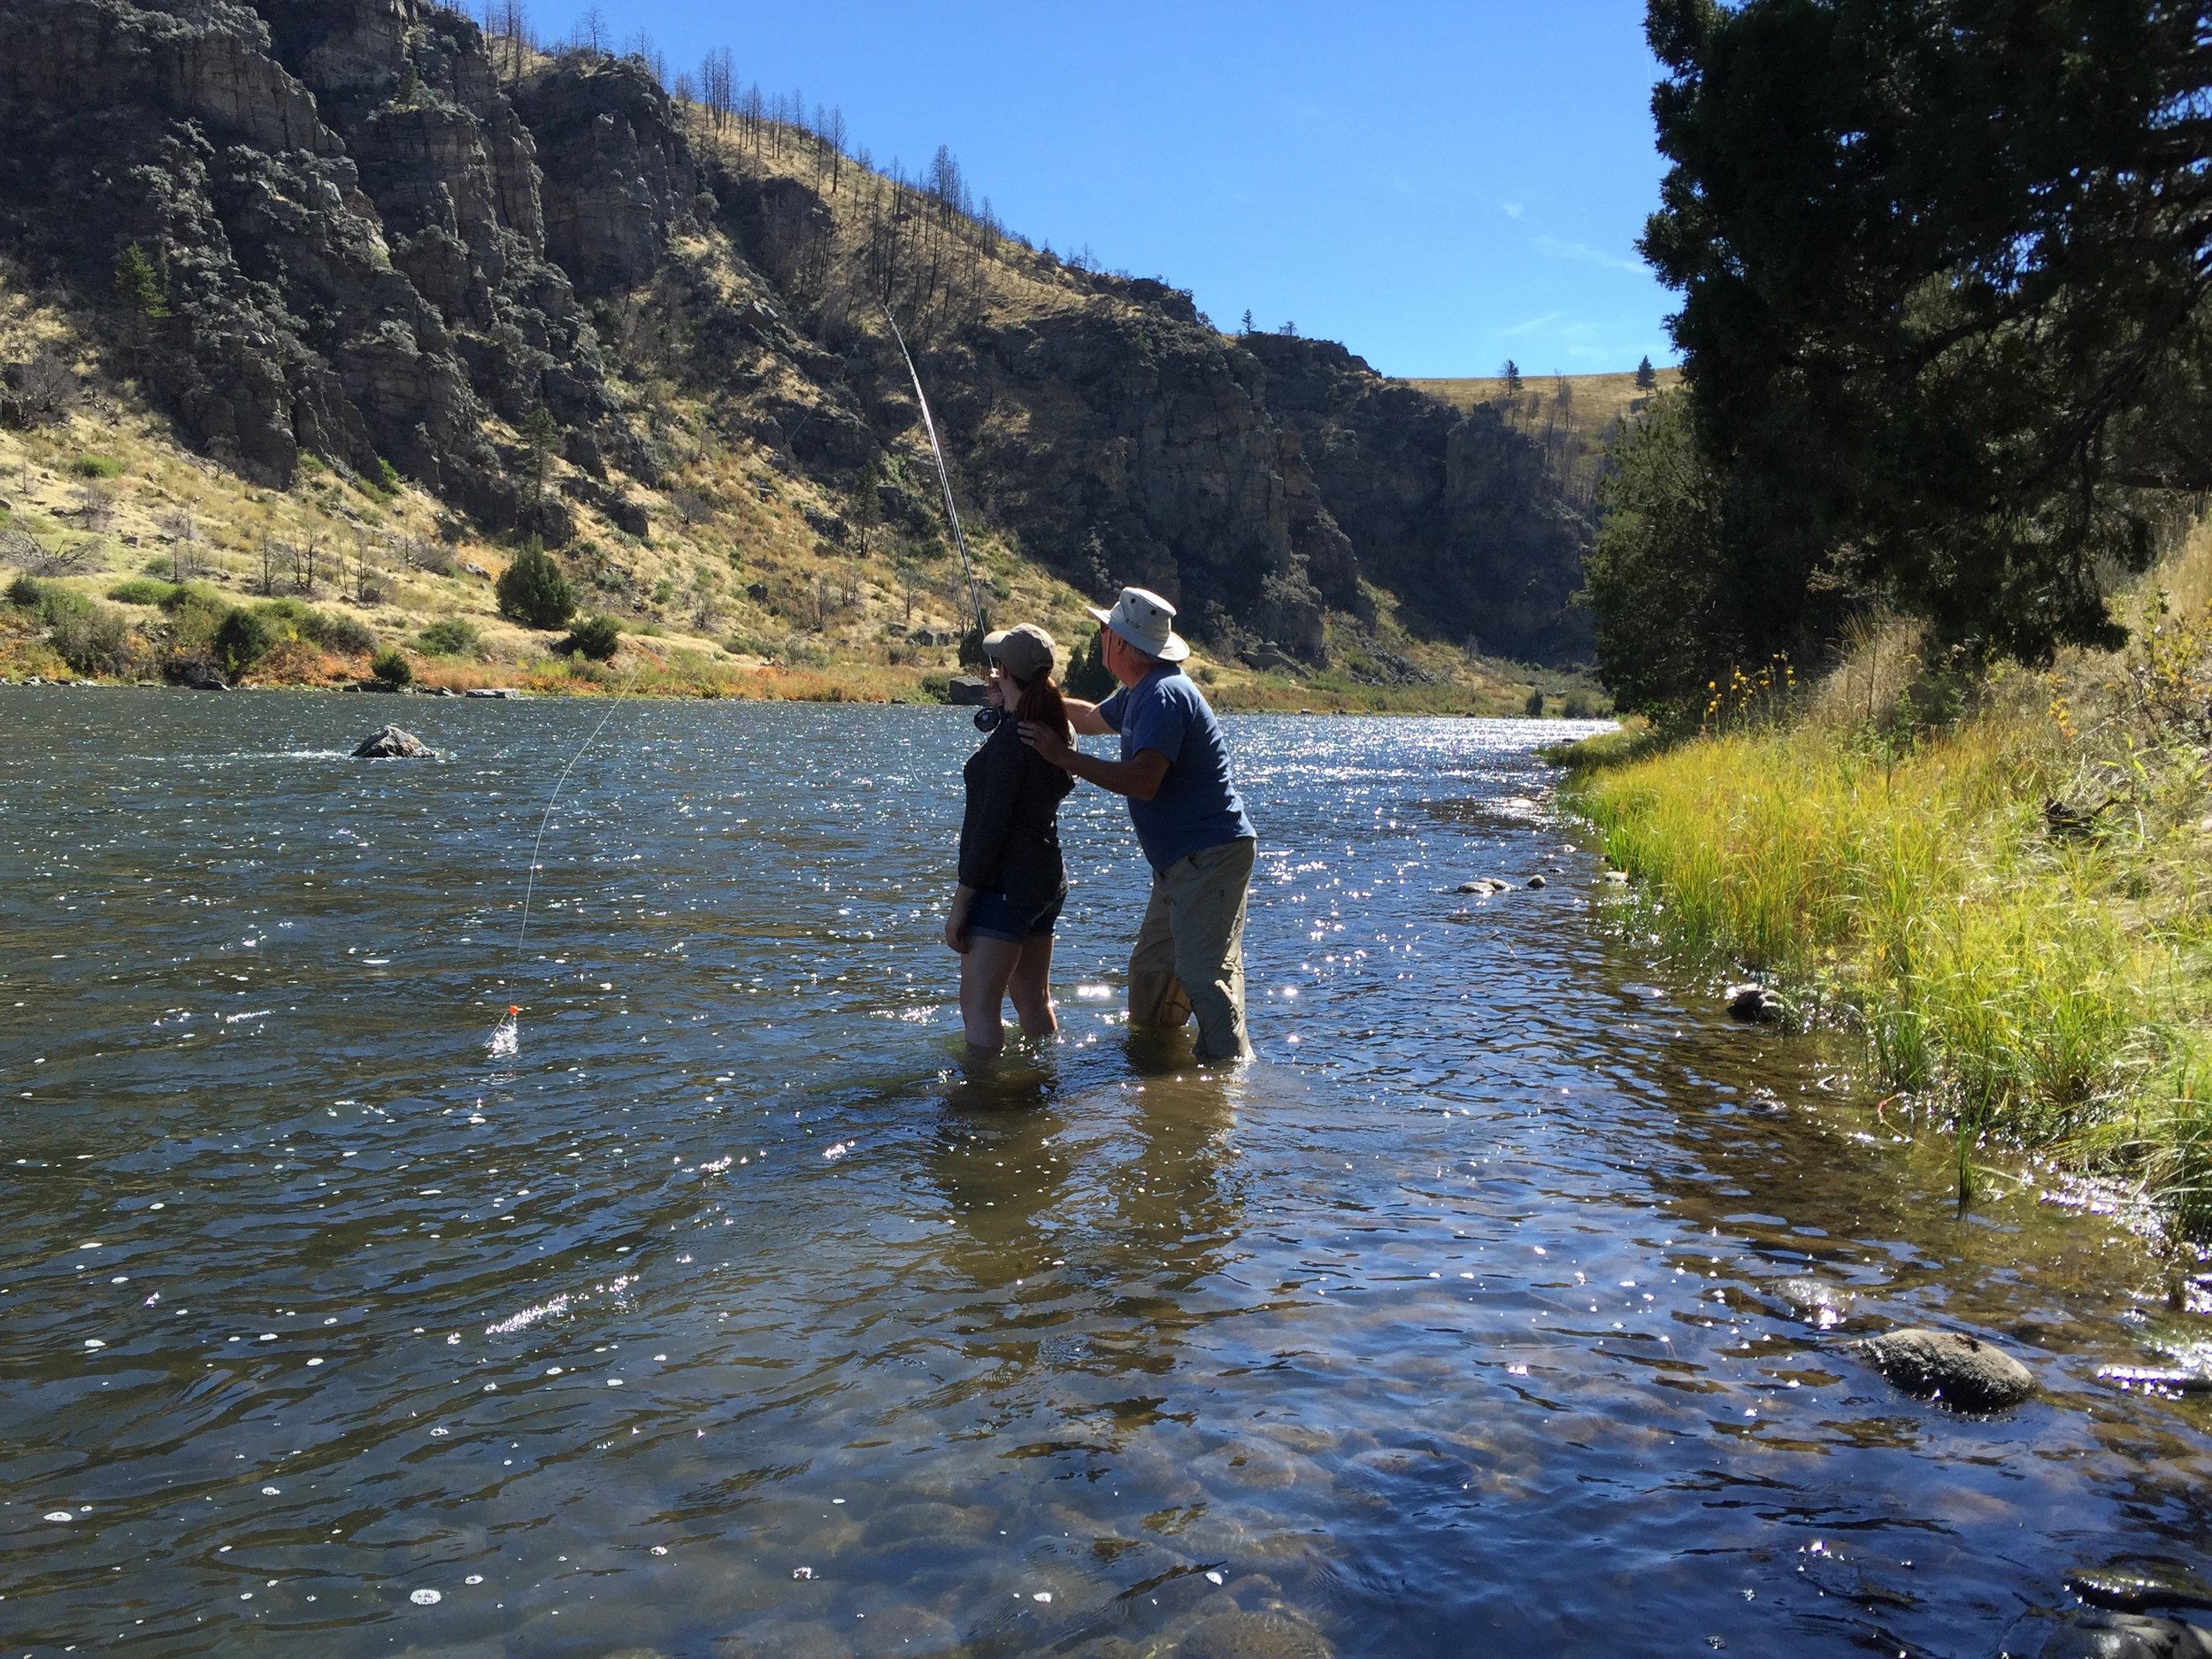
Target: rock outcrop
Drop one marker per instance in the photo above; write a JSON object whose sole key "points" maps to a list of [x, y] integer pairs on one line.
{"points": [[1453, 512]]}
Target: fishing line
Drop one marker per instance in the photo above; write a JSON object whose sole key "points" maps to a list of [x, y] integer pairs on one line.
{"points": [[986, 718], [507, 1036]]}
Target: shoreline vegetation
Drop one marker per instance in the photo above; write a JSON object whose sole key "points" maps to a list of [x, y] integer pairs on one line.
{"points": [[2000, 882]]}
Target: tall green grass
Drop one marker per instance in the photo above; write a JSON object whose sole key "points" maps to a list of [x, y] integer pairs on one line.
{"points": [[2045, 991]]}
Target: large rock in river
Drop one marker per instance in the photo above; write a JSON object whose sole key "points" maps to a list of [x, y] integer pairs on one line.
{"points": [[1962, 1372], [391, 743]]}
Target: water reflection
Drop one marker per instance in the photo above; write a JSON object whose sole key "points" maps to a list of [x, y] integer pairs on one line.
{"points": [[1502, 1305]]}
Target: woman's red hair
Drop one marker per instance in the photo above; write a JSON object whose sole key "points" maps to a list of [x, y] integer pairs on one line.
{"points": [[1040, 702]]}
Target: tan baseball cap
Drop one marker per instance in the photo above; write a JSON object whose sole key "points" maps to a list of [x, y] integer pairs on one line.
{"points": [[1024, 652], [1147, 621]]}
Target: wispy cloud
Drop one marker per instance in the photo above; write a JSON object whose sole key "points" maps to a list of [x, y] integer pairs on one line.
{"points": [[1553, 248], [1535, 325], [1513, 209]]}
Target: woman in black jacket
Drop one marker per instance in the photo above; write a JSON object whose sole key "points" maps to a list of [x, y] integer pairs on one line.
{"points": [[1012, 882]]}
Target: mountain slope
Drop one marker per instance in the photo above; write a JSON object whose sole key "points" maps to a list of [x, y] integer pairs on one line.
{"points": [[560, 304]]}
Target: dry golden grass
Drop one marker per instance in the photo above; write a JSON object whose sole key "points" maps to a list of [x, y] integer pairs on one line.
{"points": [[2015, 973]]}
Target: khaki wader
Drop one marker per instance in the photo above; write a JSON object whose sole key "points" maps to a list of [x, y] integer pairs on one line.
{"points": [[1189, 958]]}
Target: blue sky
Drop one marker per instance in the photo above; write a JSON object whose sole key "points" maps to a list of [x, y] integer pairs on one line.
{"points": [[1440, 185]]}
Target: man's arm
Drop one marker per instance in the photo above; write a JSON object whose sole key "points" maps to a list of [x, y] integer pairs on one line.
{"points": [[1086, 719], [1138, 778]]}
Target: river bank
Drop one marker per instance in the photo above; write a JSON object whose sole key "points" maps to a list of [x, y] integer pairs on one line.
{"points": [[2009, 907], [107, 632]]}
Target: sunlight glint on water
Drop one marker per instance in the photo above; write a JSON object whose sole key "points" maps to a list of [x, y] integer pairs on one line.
{"points": [[728, 1313]]}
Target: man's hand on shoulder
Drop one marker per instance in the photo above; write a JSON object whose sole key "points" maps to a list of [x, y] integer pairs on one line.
{"points": [[1046, 742]]}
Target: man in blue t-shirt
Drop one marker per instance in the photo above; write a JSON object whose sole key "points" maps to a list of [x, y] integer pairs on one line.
{"points": [[1190, 821]]}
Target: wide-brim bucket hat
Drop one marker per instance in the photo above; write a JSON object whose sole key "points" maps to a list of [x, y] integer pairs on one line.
{"points": [[1148, 622]]}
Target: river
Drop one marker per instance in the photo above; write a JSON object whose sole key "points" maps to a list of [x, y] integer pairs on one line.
{"points": [[733, 1314]]}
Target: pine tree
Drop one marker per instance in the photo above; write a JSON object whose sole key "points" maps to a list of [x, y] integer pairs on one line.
{"points": [[140, 284], [867, 509], [1646, 377]]}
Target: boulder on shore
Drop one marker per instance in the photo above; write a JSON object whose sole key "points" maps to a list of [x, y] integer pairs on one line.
{"points": [[1754, 1005], [1960, 1371], [967, 691], [391, 743]]}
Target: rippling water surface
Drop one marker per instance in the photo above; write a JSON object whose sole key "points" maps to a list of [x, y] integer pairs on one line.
{"points": [[735, 1315]]}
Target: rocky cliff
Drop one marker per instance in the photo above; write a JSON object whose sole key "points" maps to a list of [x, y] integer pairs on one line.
{"points": [[370, 244]]}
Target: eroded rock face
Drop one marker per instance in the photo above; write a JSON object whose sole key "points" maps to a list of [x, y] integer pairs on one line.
{"points": [[618, 171], [1452, 512], [345, 274]]}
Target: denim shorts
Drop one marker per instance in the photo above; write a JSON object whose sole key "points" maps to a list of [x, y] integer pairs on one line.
{"points": [[990, 915]]}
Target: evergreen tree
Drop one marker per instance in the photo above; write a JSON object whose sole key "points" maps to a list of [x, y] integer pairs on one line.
{"points": [[140, 284], [866, 511], [540, 432], [1646, 377], [1944, 317], [532, 590], [1511, 375]]}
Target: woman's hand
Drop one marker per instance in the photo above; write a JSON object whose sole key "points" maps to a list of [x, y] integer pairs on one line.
{"points": [[994, 688], [956, 923]]}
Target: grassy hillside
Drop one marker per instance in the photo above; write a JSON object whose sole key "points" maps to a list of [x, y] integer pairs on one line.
{"points": [[2009, 906], [734, 591]]}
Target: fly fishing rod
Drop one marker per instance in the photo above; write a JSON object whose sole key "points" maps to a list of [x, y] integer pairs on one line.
{"points": [[987, 717], [506, 1036]]}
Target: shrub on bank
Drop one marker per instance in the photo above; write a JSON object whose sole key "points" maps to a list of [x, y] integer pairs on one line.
{"points": [[242, 641], [532, 590], [597, 638], [449, 636], [391, 667], [140, 590]]}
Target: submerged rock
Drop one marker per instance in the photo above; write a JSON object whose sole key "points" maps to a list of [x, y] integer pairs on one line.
{"points": [[2130, 1586], [1754, 1005], [1815, 1301], [2093, 1633], [391, 743], [1252, 1636], [1962, 1372], [1485, 885], [1538, 881]]}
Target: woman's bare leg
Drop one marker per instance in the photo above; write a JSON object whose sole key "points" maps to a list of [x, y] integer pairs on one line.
{"points": [[986, 965], [1031, 987]]}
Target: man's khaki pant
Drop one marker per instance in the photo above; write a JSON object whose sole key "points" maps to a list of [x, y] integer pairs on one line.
{"points": [[1189, 958]]}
